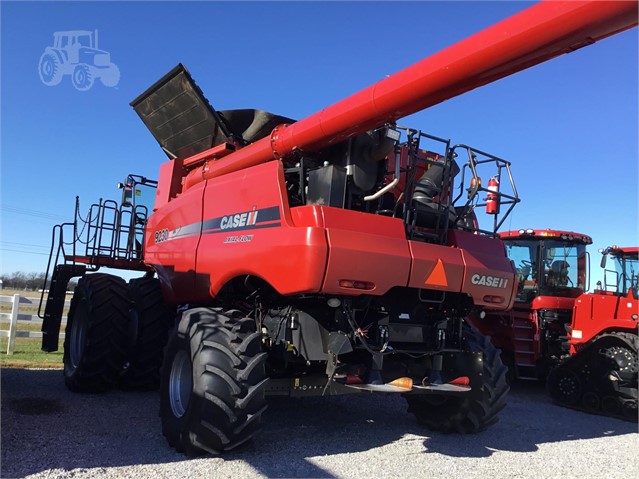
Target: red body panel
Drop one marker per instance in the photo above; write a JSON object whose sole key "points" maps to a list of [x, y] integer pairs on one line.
{"points": [[365, 247], [552, 302], [169, 182], [485, 257], [245, 227], [428, 272], [291, 259], [595, 313], [171, 241]]}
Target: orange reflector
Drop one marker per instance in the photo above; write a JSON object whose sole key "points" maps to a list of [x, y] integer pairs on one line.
{"points": [[494, 299], [461, 381], [402, 383], [349, 283], [437, 277]]}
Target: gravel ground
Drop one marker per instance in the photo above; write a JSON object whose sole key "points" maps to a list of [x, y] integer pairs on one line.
{"points": [[49, 432]]}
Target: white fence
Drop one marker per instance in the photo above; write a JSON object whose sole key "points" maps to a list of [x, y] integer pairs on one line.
{"points": [[14, 316]]}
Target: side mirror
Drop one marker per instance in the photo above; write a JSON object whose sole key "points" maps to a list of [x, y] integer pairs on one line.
{"points": [[603, 260], [127, 195]]}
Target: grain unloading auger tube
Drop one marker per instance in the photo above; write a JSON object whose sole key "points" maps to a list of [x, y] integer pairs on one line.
{"points": [[535, 35]]}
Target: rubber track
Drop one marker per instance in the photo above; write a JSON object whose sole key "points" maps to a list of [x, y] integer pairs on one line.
{"points": [[228, 396], [573, 364], [468, 415], [154, 321], [106, 326]]}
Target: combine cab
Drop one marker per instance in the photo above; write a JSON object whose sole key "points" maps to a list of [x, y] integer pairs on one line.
{"points": [[601, 374], [551, 274], [337, 254]]}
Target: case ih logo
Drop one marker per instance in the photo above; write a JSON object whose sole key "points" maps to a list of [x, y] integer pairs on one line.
{"points": [[268, 218], [238, 221], [491, 281]]}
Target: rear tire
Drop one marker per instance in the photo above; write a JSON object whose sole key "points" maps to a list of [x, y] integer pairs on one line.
{"points": [[151, 321], [462, 414], [96, 333], [213, 382], [49, 69]]}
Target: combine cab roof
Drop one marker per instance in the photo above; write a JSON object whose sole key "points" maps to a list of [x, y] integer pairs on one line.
{"points": [[547, 233]]}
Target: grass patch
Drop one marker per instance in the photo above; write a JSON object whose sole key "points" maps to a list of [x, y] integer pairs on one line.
{"points": [[27, 354], [26, 326]]}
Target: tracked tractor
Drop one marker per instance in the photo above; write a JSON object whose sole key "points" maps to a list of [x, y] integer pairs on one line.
{"points": [[600, 375], [583, 344], [337, 254]]}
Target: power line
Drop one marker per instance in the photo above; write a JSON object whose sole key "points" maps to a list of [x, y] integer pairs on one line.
{"points": [[33, 213], [25, 252], [16, 243]]}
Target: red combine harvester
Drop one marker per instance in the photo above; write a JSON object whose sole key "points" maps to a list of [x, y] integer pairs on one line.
{"points": [[328, 255], [600, 376], [551, 274]]}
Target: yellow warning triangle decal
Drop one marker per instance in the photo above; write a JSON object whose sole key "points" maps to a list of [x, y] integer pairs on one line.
{"points": [[438, 276]]}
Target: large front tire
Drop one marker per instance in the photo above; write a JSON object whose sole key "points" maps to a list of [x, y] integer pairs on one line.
{"points": [[96, 333], [467, 414], [111, 76], [212, 382]]}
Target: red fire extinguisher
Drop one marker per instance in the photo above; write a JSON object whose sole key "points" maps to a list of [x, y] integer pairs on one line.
{"points": [[492, 200]]}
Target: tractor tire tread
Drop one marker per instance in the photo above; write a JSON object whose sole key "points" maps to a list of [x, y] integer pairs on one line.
{"points": [[154, 321], [104, 350], [229, 383], [468, 415]]}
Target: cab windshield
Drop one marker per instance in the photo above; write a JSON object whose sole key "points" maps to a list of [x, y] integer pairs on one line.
{"points": [[549, 267], [139, 193], [627, 269]]}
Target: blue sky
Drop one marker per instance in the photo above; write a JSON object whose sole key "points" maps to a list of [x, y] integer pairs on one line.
{"points": [[569, 126]]}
